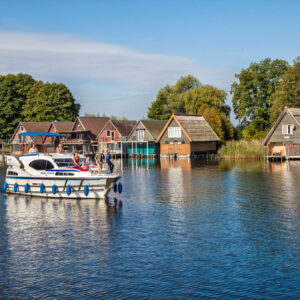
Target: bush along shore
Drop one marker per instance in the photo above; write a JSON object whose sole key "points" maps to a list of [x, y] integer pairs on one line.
{"points": [[242, 149]]}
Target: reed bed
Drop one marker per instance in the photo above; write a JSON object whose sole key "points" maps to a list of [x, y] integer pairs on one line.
{"points": [[242, 149]]}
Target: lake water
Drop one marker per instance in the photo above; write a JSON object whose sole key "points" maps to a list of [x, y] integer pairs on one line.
{"points": [[187, 229]]}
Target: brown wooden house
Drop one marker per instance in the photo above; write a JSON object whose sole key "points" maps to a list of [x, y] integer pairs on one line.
{"points": [[187, 135], [50, 143], [114, 136], [21, 144], [83, 135], [283, 140]]}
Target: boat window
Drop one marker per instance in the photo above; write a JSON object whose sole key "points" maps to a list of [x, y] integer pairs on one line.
{"points": [[64, 162], [64, 174], [41, 164]]}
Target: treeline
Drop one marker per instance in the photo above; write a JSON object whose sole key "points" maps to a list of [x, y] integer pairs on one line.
{"points": [[24, 99], [259, 95]]}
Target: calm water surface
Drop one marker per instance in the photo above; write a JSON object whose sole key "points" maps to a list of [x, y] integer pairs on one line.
{"points": [[186, 230]]}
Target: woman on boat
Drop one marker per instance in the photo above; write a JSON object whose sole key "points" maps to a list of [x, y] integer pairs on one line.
{"points": [[99, 161], [76, 160]]}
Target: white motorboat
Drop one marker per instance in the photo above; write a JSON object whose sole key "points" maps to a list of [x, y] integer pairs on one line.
{"points": [[51, 175]]}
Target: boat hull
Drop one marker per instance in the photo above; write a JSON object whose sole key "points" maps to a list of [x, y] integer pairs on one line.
{"points": [[70, 188]]}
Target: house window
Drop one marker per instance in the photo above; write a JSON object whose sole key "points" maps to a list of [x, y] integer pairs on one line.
{"points": [[20, 140], [141, 135], [174, 132], [287, 129], [112, 135], [22, 128], [107, 133]]}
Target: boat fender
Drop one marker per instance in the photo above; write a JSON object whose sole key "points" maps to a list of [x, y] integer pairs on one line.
{"points": [[115, 188], [5, 186], [86, 190], [42, 188], [120, 188], [16, 187], [54, 189], [69, 190], [26, 188]]}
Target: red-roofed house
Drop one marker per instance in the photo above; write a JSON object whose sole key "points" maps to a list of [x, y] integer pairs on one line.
{"points": [[21, 145], [50, 143], [114, 136], [83, 135]]}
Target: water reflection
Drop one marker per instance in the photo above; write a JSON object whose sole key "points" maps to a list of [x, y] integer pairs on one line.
{"points": [[188, 228]]}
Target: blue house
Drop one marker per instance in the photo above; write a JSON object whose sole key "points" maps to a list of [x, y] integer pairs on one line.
{"points": [[142, 139]]}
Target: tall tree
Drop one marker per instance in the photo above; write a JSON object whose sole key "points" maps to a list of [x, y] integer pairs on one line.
{"points": [[48, 102], [13, 92], [288, 91], [189, 96], [253, 93]]}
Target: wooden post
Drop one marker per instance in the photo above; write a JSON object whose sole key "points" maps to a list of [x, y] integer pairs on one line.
{"points": [[136, 148]]}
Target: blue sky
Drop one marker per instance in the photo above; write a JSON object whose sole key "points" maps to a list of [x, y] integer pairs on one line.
{"points": [[115, 55]]}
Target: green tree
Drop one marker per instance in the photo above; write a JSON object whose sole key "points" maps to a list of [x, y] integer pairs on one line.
{"points": [[13, 92], [189, 96], [48, 102], [253, 93], [287, 93], [218, 121], [209, 95], [91, 115]]}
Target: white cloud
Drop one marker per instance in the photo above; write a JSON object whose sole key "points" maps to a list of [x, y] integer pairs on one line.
{"points": [[97, 72]]}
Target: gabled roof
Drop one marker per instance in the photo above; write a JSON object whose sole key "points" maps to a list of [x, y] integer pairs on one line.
{"points": [[154, 127], [293, 112], [63, 126], [92, 124], [124, 126], [195, 128], [33, 127]]}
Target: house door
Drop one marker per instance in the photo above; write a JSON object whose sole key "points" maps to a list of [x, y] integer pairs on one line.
{"points": [[175, 147]]}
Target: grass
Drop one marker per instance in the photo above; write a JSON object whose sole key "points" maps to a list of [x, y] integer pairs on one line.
{"points": [[242, 149]]}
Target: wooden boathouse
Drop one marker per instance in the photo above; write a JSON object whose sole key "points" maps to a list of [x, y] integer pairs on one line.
{"points": [[283, 140], [142, 139], [114, 136], [187, 135], [21, 144]]}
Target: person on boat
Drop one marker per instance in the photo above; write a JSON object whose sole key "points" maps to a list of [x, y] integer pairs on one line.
{"points": [[108, 161], [87, 163], [33, 149], [76, 160], [99, 157], [59, 149]]}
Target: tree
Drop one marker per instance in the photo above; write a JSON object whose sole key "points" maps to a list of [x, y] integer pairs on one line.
{"points": [[91, 115], [189, 96], [253, 94], [170, 99], [288, 91], [48, 102], [218, 121], [13, 92]]}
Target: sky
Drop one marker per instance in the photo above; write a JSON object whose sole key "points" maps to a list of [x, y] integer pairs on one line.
{"points": [[114, 56]]}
